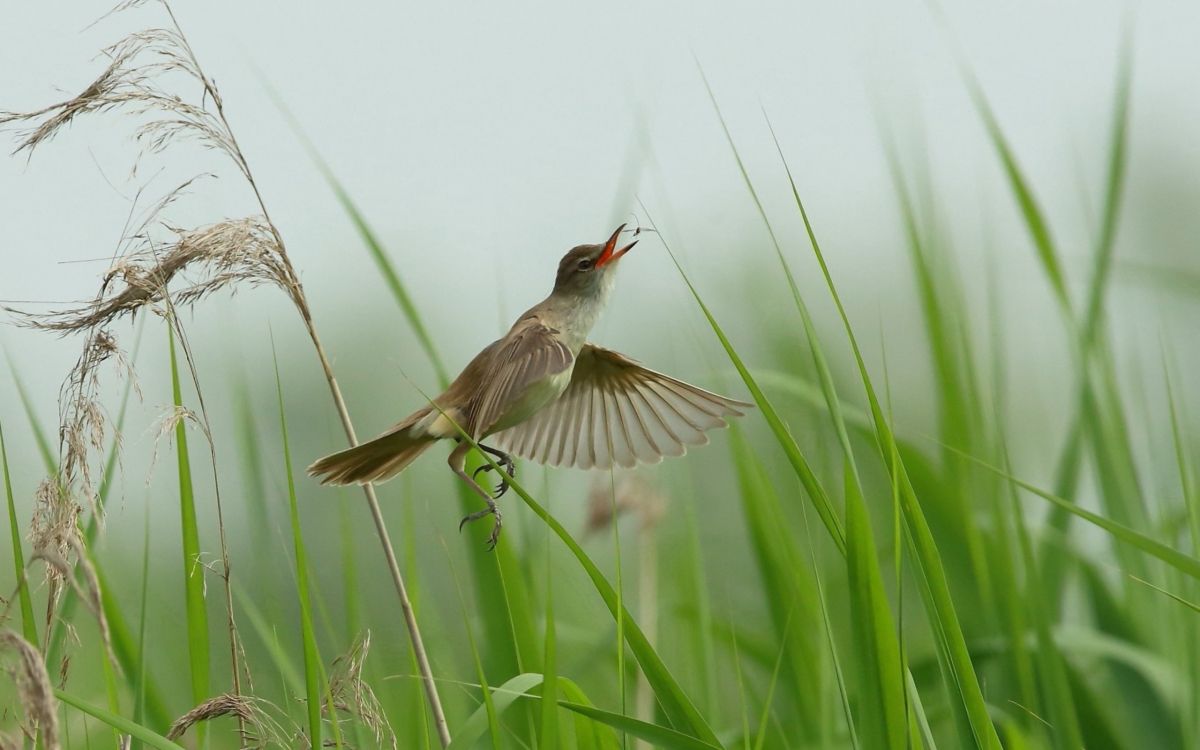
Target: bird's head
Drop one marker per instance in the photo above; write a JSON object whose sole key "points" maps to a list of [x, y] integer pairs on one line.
{"points": [[587, 270]]}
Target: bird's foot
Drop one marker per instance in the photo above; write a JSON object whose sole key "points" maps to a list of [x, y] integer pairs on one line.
{"points": [[506, 463], [491, 510]]}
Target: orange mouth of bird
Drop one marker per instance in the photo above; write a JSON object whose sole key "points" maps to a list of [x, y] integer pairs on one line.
{"points": [[610, 254]]}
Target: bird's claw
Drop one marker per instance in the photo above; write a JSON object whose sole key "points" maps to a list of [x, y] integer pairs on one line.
{"points": [[508, 466], [508, 471], [491, 510]]}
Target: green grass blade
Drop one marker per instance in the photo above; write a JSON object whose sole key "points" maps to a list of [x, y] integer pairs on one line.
{"points": [[127, 652], [653, 733], [496, 702], [1187, 473], [499, 587], [526, 686], [589, 735], [293, 680], [495, 733], [371, 241], [945, 317], [1183, 563], [548, 734], [119, 723], [1169, 594], [193, 568], [942, 612], [1189, 634], [1087, 332], [761, 733], [787, 270], [677, 706], [742, 692], [254, 483], [794, 455], [674, 701], [139, 689], [695, 590], [28, 624], [883, 714], [1056, 687], [1031, 212], [827, 626], [45, 449], [419, 698], [1114, 186], [350, 576], [502, 600], [786, 588], [312, 658], [386, 268], [618, 568]]}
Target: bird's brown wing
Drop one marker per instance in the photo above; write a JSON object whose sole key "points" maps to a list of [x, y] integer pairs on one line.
{"points": [[617, 412], [522, 358]]}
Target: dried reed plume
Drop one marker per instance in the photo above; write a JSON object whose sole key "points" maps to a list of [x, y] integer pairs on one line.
{"points": [[130, 83], [89, 591], [351, 694], [34, 689], [54, 529], [259, 729], [221, 256]]}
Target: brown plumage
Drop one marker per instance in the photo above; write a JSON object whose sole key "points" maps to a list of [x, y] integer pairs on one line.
{"points": [[548, 396], [376, 460]]}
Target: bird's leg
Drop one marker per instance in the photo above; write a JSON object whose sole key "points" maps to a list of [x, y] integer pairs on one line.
{"points": [[458, 459], [505, 462]]}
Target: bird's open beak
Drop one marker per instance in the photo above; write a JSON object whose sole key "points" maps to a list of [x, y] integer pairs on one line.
{"points": [[609, 255]]}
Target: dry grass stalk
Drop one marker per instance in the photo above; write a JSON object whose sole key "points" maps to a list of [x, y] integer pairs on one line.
{"points": [[259, 729], [52, 531], [34, 689], [81, 434], [221, 256], [89, 592], [248, 250], [352, 695], [83, 423], [130, 83]]}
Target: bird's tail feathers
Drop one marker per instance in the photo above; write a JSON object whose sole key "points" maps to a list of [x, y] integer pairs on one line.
{"points": [[376, 460]]}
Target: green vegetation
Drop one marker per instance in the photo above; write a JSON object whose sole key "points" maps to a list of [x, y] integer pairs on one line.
{"points": [[896, 590]]}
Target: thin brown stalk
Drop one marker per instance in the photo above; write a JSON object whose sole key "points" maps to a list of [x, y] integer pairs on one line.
{"points": [[226, 568], [229, 253], [302, 306]]}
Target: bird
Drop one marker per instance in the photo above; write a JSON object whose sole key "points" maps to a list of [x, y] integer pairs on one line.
{"points": [[543, 392]]}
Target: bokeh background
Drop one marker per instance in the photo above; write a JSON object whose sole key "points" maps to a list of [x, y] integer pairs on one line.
{"points": [[482, 141]]}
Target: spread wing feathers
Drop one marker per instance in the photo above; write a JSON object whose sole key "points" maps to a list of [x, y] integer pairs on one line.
{"points": [[617, 412], [520, 361]]}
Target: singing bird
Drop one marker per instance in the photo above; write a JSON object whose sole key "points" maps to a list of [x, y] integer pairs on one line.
{"points": [[544, 393]]}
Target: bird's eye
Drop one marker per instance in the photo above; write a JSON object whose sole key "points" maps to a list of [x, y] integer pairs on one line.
{"points": [[585, 265]]}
